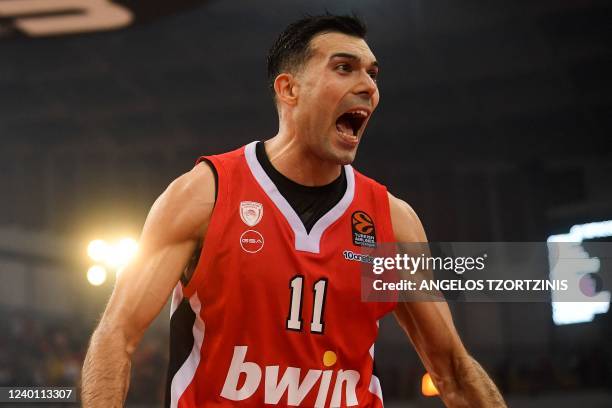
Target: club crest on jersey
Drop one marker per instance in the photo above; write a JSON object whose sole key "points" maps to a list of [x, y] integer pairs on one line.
{"points": [[251, 212], [363, 231]]}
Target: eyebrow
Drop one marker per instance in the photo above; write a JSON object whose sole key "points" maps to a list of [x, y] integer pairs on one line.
{"points": [[351, 57]]}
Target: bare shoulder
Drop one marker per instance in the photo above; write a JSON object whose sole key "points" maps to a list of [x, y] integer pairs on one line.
{"points": [[407, 226], [197, 184], [184, 208]]}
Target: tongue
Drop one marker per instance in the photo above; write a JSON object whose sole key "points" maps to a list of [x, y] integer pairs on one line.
{"points": [[344, 125]]}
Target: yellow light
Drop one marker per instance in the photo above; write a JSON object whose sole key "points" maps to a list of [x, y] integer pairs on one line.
{"points": [[98, 250], [121, 253], [96, 275], [126, 248], [428, 388]]}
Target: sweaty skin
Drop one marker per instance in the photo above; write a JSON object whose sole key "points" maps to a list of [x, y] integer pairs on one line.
{"points": [[338, 77]]}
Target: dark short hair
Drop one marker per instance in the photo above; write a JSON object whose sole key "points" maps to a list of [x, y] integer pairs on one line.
{"points": [[292, 47]]}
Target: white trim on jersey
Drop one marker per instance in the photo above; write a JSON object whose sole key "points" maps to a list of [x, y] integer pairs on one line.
{"points": [[177, 298], [184, 375], [307, 242], [374, 386]]}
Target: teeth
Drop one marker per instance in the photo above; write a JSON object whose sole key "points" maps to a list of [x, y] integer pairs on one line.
{"points": [[361, 113]]}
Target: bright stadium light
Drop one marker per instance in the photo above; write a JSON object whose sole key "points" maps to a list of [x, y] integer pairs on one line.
{"points": [[126, 249], [121, 253], [98, 250], [116, 255], [583, 268], [96, 275]]}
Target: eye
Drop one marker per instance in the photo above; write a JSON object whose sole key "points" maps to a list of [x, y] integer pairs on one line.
{"points": [[344, 67], [374, 75]]}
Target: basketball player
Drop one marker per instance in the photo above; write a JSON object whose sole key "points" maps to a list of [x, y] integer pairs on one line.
{"points": [[271, 314]]}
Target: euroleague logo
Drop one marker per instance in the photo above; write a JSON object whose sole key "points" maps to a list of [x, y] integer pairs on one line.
{"points": [[251, 241], [364, 233]]}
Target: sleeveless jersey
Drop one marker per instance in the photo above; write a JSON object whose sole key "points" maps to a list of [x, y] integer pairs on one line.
{"points": [[272, 314]]}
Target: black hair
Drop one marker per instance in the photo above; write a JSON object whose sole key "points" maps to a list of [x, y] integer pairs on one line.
{"points": [[292, 47]]}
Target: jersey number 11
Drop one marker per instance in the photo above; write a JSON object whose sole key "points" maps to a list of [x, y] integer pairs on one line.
{"points": [[294, 321]]}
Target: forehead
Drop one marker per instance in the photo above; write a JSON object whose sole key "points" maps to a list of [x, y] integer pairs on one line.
{"points": [[327, 44]]}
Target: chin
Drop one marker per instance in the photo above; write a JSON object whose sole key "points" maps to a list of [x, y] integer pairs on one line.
{"points": [[345, 157], [337, 153]]}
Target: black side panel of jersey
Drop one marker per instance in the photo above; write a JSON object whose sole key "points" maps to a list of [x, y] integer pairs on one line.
{"points": [[181, 341]]}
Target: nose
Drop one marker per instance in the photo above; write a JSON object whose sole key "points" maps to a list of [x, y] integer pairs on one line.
{"points": [[366, 87]]}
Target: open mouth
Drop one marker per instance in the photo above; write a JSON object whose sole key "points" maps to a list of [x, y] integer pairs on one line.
{"points": [[351, 122]]}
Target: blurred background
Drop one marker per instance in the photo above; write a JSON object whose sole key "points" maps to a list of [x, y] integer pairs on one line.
{"points": [[495, 124]]}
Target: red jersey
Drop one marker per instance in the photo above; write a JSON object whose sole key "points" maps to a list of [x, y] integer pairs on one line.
{"points": [[273, 313]]}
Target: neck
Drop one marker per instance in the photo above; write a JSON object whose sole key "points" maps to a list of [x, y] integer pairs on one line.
{"points": [[285, 152]]}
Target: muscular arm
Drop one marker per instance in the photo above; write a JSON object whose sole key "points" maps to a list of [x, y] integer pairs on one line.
{"points": [[461, 381], [175, 224]]}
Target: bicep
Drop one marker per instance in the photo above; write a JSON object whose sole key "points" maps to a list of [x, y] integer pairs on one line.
{"points": [[175, 224]]}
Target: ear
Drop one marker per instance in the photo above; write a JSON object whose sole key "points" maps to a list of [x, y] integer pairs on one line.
{"points": [[286, 88]]}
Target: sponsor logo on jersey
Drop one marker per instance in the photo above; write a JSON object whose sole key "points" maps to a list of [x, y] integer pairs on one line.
{"points": [[291, 384], [357, 257], [251, 241], [251, 212], [364, 233]]}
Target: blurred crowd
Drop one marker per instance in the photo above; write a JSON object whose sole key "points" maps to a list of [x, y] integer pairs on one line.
{"points": [[49, 351], [38, 350]]}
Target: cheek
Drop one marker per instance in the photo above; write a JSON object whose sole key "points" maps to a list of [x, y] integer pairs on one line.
{"points": [[333, 92], [330, 88], [323, 101]]}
